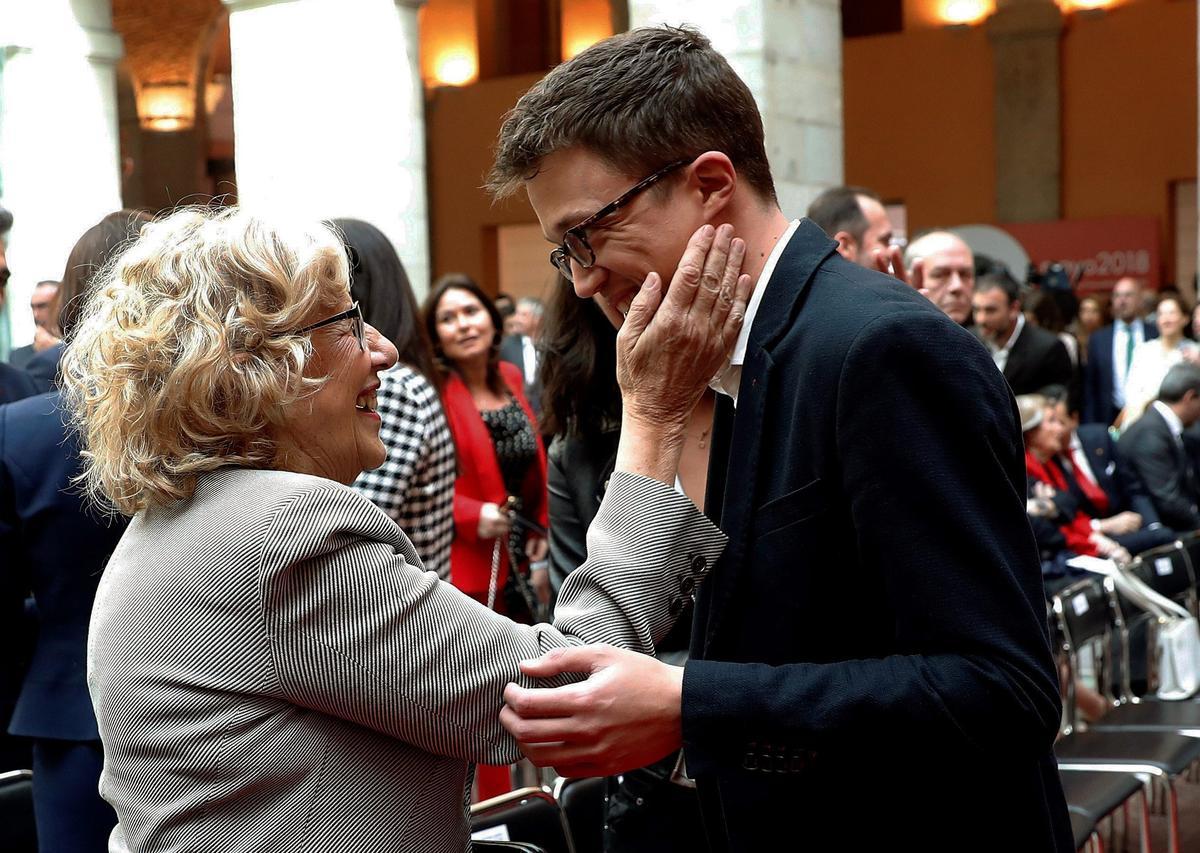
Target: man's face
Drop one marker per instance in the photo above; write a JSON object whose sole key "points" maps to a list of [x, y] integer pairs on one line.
{"points": [[1127, 300], [1189, 408], [995, 315], [1069, 421], [42, 304], [647, 235], [527, 321], [948, 274], [877, 237]]}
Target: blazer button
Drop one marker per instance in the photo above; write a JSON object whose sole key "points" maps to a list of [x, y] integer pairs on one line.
{"points": [[750, 760], [687, 584], [675, 607], [699, 564]]}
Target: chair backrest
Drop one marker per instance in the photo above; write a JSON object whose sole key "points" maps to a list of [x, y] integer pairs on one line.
{"points": [[1168, 571], [1191, 544], [1086, 612], [529, 815], [582, 803], [18, 833]]}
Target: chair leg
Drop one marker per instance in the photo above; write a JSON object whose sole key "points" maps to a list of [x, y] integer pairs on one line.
{"points": [[1145, 828], [1173, 804]]}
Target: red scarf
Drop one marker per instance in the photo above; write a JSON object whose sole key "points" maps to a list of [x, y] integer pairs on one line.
{"points": [[1078, 530]]}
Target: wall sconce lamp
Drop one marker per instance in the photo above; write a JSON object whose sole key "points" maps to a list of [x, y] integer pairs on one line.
{"points": [[166, 106], [455, 67], [960, 14]]}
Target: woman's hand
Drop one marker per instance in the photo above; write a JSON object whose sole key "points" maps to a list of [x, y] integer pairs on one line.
{"points": [[536, 548], [673, 343], [492, 522]]}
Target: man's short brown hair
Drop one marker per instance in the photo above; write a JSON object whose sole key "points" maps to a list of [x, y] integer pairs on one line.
{"points": [[639, 100]]}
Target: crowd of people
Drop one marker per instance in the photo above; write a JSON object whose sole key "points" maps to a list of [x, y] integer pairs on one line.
{"points": [[267, 522]]}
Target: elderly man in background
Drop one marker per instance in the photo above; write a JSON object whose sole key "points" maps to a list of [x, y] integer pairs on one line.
{"points": [[857, 219], [14, 384], [1110, 354], [520, 347], [940, 265]]}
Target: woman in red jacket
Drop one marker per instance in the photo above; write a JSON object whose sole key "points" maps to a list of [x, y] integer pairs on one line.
{"points": [[501, 483], [501, 460]]}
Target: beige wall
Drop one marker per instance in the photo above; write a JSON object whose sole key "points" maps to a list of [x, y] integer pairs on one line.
{"points": [[461, 125]]}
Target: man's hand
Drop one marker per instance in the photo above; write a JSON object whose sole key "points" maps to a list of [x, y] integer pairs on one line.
{"points": [[626, 715], [43, 340], [1120, 524], [891, 262]]}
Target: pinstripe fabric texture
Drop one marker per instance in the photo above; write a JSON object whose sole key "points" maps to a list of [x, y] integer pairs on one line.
{"points": [[415, 486], [272, 670]]}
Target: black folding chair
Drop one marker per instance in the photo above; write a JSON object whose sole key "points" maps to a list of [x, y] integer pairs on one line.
{"points": [[1095, 797], [1168, 571], [18, 833], [528, 815], [582, 804], [1085, 613]]}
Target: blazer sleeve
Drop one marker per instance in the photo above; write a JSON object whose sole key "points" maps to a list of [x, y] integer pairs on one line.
{"points": [[357, 632], [933, 477], [1131, 488], [1095, 400], [1152, 456], [568, 547]]}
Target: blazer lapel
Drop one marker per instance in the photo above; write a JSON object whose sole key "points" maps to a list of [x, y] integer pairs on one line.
{"points": [[781, 301]]}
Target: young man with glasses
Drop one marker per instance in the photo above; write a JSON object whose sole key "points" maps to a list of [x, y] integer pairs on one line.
{"points": [[874, 635]]}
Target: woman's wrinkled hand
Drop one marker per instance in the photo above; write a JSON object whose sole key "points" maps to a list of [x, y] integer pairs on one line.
{"points": [[673, 343]]}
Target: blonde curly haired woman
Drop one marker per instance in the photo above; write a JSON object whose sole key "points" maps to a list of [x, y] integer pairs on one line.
{"points": [[271, 668]]}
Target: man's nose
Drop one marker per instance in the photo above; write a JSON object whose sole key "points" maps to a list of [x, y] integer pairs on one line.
{"points": [[588, 281], [956, 283]]}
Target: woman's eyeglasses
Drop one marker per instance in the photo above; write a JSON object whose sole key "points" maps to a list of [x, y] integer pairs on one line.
{"points": [[354, 313]]}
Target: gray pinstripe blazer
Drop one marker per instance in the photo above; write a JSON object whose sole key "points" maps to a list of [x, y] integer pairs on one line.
{"points": [[272, 670]]}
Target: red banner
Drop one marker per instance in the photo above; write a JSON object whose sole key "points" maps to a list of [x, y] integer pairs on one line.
{"points": [[1102, 250]]}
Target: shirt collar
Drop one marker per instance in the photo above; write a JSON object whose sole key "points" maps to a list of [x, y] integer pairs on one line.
{"points": [[1172, 419], [743, 339], [1017, 329]]}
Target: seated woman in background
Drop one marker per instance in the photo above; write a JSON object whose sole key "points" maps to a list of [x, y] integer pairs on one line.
{"points": [[1153, 358], [270, 667], [415, 485], [1044, 433], [644, 810]]}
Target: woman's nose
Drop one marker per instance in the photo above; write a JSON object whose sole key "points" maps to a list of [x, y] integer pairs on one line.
{"points": [[383, 352]]}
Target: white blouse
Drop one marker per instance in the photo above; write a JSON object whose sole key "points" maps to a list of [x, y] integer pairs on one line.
{"points": [[1151, 361]]}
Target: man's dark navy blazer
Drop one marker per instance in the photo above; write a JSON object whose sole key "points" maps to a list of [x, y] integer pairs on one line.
{"points": [[870, 658], [55, 548], [1099, 376]]}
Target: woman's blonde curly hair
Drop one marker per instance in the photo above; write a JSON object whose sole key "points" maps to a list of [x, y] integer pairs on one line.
{"points": [[186, 354]]}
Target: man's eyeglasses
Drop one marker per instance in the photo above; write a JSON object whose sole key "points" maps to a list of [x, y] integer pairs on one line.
{"points": [[354, 313], [575, 246]]}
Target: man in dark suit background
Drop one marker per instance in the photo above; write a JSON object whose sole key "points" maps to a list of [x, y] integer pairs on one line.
{"points": [[42, 304], [1155, 448], [1030, 358], [1110, 353], [520, 347], [1103, 484], [851, 650]]}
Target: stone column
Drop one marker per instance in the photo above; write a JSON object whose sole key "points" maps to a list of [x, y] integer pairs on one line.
{"points": [[1026, 38], [789, 52], [329, 115], [59, 151]]}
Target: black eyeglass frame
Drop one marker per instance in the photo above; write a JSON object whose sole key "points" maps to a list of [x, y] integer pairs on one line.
{"points": [[562, 255], [354, 312]]}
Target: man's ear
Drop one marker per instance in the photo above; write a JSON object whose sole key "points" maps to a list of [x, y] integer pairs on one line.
{"points": [[715, 178], [847, 245]]}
